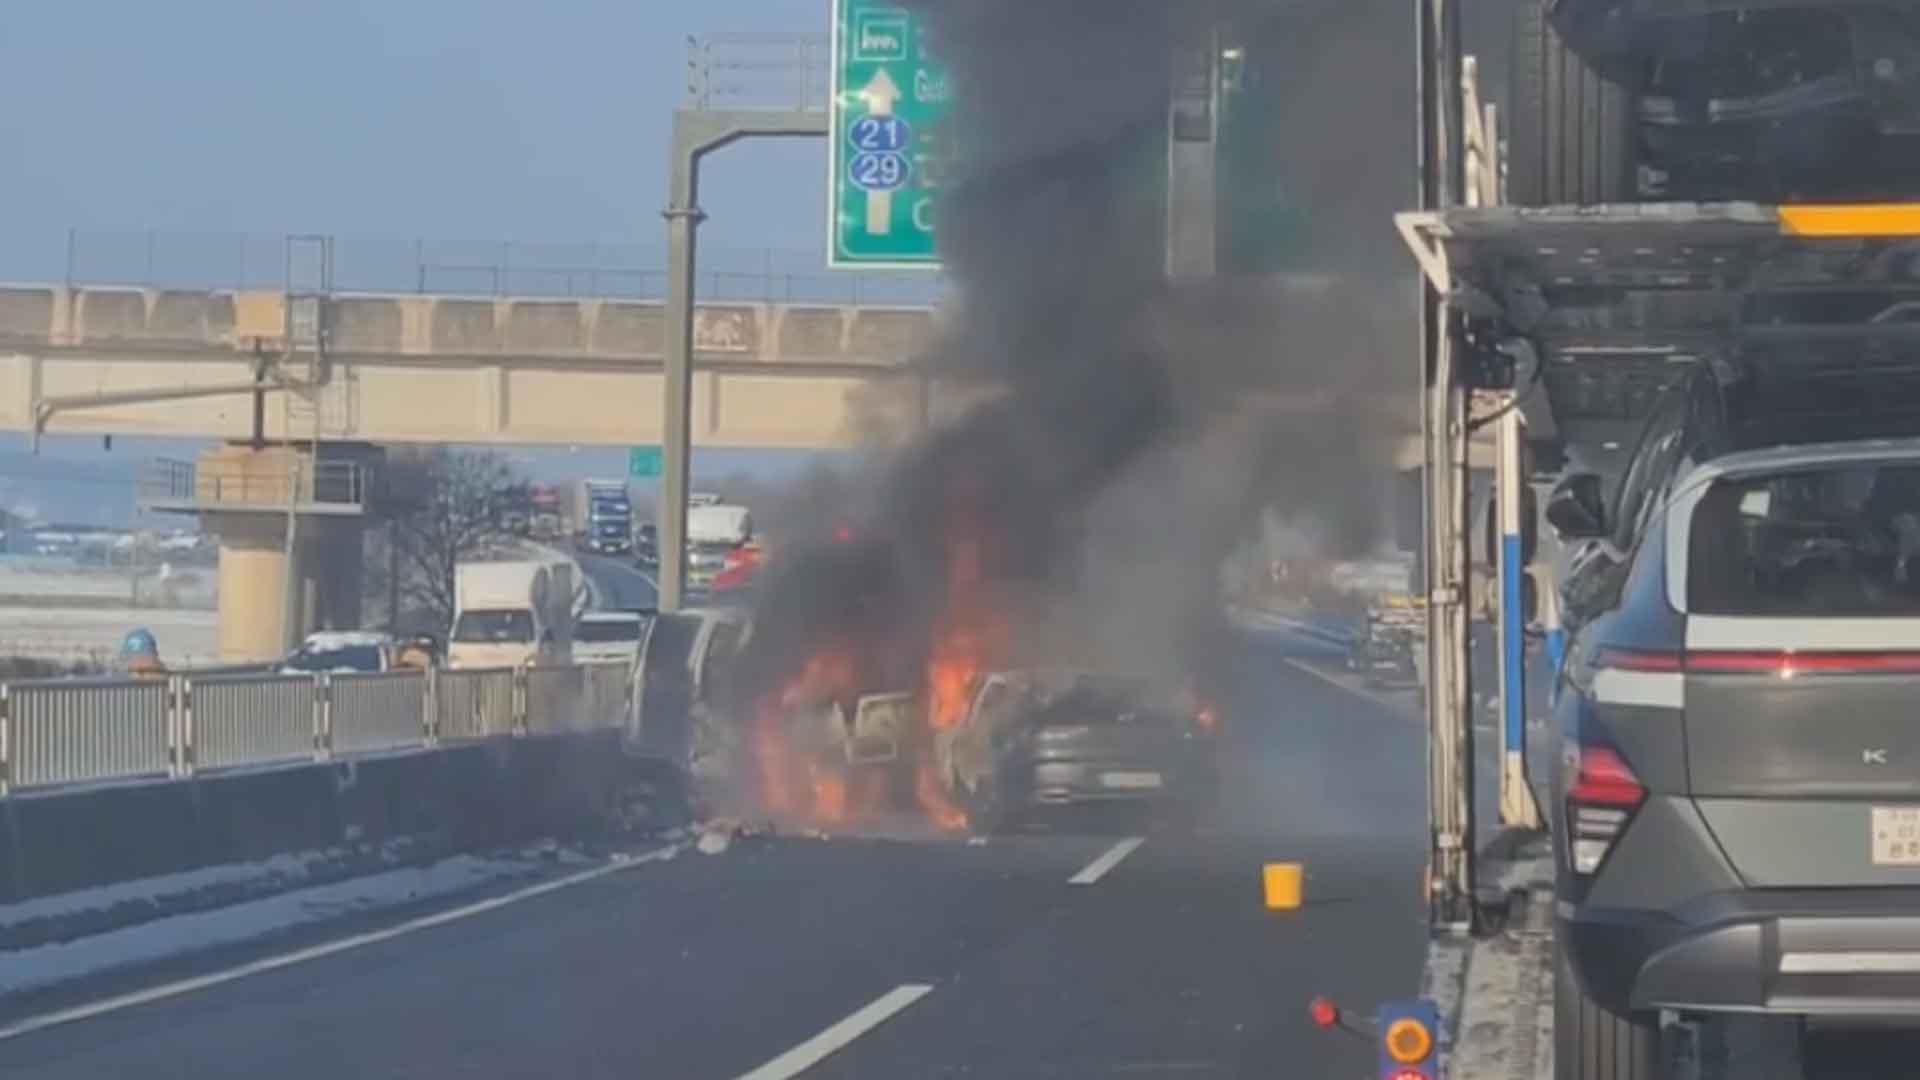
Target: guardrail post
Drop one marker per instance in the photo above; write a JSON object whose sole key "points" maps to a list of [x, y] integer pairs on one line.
{"points": [[6, 738], [520, 700], [323, 717], [430, 709], [180, 755]]}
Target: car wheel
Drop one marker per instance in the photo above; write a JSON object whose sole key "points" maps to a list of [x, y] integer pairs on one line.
{"points": [[988, 813], [1570, 133], [1591, 1042]]}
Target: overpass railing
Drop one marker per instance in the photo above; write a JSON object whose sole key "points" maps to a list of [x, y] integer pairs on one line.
{"points": [[337, 483], [369, 263], [56, 732]]}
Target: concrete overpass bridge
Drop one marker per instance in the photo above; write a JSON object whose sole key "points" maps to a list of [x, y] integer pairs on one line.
{"points": [[355, 369], [405, 368], [424, 368]]}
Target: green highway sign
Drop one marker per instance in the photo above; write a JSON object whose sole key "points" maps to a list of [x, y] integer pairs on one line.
{"points": [[889, 98], [643, 461]]}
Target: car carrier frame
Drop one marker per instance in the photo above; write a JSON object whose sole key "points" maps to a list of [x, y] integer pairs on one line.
{"points": [[1561, 326]]}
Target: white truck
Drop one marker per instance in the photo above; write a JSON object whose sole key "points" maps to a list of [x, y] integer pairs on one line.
{"points": [[509, 614], [713, 530]]}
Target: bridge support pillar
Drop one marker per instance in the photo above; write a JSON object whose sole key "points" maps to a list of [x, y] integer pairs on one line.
{"points": [[255, 594], [290, 526]]}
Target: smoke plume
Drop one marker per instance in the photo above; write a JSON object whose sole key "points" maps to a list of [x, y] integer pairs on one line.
{"points": [[1142, 424]]}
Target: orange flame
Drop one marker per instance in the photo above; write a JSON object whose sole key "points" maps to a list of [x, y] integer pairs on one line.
{"points": [[829, 796], [932, 798], [966, 636], [770, 754], [950, 674], [783, 789]]}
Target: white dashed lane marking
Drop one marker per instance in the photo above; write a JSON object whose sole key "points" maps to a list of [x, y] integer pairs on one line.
{"points": [[1098, 868], [864, 1019]]}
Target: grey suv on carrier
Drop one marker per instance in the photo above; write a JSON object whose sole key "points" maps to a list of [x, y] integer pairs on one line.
{"points": [[1738, 798]]}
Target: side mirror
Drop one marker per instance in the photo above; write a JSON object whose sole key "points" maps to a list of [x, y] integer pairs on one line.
{"points": [[1575, 510]]}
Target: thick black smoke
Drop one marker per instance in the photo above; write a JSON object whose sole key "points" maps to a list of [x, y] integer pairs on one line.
{"points": [[1141, 424]]}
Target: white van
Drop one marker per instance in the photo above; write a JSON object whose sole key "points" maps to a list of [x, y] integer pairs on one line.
{"points": [[510, 614]]}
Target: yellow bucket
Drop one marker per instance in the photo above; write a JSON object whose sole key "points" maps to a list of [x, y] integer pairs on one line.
{"points": [[1280, 882]]}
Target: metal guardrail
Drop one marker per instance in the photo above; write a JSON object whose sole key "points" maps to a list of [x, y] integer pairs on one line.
{"points": [[73, 731], [609, 691], [576, 698], [252, 719], [368, 713], [552, 694], [79, 730], [476, 704]]}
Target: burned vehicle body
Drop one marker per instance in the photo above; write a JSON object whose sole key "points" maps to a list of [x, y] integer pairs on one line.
{"points": [[1037, 740], [1622, 100]]}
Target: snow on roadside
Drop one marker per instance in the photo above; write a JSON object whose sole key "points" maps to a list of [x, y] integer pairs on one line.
{"points": [[44, 965], [162, 890]]}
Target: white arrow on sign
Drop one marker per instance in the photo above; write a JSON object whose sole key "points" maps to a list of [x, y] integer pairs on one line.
{"points": [[880, 94]]}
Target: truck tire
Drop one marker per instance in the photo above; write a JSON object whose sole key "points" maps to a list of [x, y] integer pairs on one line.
{"points": [[1591, 1042], [1570, 133]]}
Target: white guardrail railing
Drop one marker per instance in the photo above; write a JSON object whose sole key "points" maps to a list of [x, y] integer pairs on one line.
{"points": [[75, 731]]}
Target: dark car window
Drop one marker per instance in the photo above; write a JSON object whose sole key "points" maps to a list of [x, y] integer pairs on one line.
{"points": [[488, 627], [1098, 702], [1652, 465], [1833, 540], [600, 631], [345, 658]]}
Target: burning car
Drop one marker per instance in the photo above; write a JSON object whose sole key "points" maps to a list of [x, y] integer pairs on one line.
{"points": [[1035, 740]]}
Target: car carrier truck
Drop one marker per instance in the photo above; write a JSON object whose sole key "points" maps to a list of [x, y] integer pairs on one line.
{"points": [[1705, 861]]}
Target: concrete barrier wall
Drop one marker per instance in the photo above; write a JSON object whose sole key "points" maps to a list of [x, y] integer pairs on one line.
{"points": [[451, 799]]}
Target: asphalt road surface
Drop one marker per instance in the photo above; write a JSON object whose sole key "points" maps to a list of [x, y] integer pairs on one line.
{"points": [[918, 955], [619, 582]]}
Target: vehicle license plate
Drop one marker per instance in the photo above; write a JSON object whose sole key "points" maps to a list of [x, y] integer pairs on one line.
{"points": [[1130, 780], [1896, 836]]}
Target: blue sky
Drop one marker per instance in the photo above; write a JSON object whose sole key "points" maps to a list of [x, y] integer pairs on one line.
{"points": [[377, 121], [464, 120]]}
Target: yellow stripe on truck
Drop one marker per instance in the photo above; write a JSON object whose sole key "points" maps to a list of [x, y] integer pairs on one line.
{"points": [[1866, 219]]}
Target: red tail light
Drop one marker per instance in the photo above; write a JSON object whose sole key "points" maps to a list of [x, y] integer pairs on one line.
{"points": [[1786, 663], [1782, 663], [1602, 793], [1600, 776], [1652, 660], [1206, 720]]}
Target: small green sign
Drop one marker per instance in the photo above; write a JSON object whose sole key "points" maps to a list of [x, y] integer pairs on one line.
{"points": [[643, 461], [889, 98]]}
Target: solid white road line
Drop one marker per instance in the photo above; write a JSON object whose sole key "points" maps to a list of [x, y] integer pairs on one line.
{"points": [[1098, 868], [1323, 676], [1381, 699], [315, 952], [865, 1019]]}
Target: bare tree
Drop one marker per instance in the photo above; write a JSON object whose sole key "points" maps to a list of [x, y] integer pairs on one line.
{"points": [[447, 506]]}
